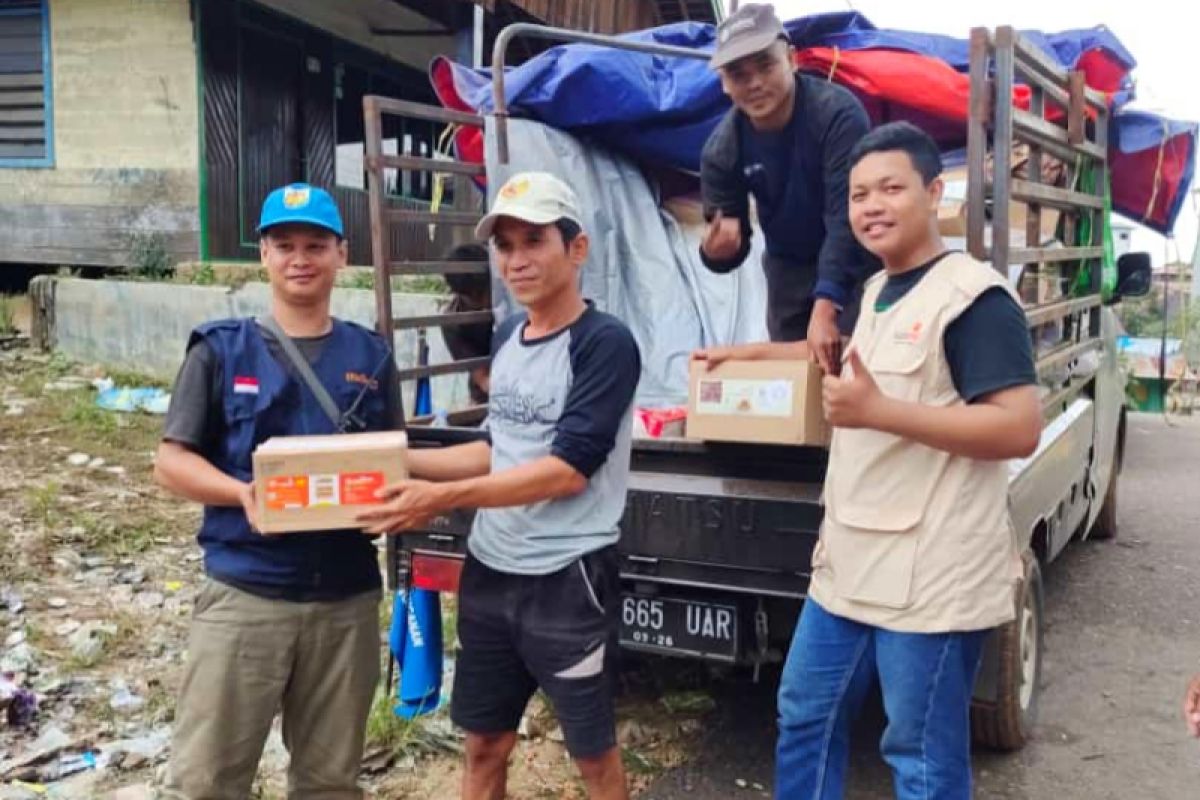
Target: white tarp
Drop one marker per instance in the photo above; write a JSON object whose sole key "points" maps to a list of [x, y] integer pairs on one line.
{"points": [[644, 266]]}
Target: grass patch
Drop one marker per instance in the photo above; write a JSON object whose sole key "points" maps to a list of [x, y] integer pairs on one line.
{"points": [[42, 502], [88, 419], [449, 625], [358, 279], [385, 728], [131, 379], [118, 538], [109, 434], [204, 275], [422, 284]]}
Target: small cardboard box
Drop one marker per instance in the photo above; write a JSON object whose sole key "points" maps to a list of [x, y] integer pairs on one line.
{"points": [[776, 402], [316, 483], [952, 212]]}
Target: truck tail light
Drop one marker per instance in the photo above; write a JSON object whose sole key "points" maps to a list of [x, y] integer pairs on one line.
{"points": [[437, 573]]}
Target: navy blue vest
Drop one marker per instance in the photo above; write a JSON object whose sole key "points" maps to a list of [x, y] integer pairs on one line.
{"points": [[260, 400]]}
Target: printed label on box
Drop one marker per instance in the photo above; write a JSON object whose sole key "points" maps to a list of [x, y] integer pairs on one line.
{"points": [[324, 490], [763, 398], [289, 492], [286, 492], [358, 488]]}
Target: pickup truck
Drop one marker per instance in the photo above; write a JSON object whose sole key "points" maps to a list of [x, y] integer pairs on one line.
{"points": [[717, 537]]}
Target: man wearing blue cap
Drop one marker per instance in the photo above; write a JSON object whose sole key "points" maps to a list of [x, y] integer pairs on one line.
{"points": [[286, 622]]}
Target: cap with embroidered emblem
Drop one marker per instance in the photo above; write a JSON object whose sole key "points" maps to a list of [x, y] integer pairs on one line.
{"points": [[303, 204], [538, 198]]}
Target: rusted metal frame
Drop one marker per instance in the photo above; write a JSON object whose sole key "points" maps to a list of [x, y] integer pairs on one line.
{"points": [[1041, 314], [1076, 107], [1046, 134], [1054, 93], [442, 320], [407, 108], [374, 107], [1067, 353], [531, 31], [979, 118], [450, 367], [1037, 60], [440, 267], [1033, 173], [1043, 255], [1053, 196], [417, 164], [1003, 122], [469, 218], [380, 242]]}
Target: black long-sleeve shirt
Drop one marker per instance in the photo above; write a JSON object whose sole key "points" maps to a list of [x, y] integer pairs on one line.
{"points": [[799, 178]]}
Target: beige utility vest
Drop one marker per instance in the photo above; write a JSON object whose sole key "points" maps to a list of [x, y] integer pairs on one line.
{"points": [[916, 539]]}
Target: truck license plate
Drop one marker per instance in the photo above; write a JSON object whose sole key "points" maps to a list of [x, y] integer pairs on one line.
{"points": [[679, 627]]}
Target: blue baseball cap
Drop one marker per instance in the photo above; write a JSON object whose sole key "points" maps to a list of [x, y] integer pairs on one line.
{"points": [[302, 203]]}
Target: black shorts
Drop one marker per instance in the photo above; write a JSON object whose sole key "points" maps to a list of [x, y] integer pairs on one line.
{"points": [[556, 632]]}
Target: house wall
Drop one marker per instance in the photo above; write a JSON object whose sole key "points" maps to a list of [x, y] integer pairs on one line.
{"points": [[125, 175]]}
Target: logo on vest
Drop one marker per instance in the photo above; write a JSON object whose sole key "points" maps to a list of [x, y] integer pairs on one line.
{"points": [[245, 385], [910, 335], [362, 380]]}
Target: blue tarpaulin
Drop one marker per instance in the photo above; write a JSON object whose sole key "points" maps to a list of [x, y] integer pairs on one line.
{"points": [[661, 110]]}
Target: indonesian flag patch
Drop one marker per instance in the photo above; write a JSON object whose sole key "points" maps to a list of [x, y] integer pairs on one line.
{"points": [[245, 385]]}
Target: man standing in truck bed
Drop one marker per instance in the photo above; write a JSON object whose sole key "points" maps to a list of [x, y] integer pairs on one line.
{"points": [[787, 142]]}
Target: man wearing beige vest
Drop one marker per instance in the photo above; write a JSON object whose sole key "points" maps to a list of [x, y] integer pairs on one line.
{"points": [[917, 558]]}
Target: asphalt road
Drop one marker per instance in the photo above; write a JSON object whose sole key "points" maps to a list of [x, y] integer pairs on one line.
{"points": [[1122, 637]]}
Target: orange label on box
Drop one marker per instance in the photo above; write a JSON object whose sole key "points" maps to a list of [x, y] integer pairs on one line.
{"points": [[287, 491], [359, 488]]}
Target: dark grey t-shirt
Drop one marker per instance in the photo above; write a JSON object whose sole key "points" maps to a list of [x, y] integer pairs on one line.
{"points": [[195, 416]]}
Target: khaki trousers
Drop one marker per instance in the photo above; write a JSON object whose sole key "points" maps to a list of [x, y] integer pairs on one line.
{"points": [[250, 658]]}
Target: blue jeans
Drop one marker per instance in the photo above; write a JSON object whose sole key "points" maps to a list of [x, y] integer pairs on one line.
{"points": [[927, 680]]}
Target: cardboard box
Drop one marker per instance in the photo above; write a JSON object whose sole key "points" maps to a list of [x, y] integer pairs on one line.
{"points": [[314, 483], [952, 212], [777, 402]]}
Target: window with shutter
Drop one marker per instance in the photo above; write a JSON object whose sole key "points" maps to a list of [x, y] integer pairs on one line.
{"points": [[26, 125]]}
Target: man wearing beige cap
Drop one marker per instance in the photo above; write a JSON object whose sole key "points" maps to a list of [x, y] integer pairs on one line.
{"points": [[538, 596], [786, 142]]}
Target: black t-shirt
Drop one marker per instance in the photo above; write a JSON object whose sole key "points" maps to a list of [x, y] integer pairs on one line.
{"points": [[988, 347]]}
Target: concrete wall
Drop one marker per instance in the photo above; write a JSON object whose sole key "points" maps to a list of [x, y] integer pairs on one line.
{"points": [[145, 326], [126, 139]]}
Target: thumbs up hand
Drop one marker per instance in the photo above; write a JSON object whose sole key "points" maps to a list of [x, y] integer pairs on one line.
{"points": [[852, 399]]}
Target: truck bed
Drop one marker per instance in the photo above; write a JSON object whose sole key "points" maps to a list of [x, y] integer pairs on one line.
{"points": [[738, 517]]}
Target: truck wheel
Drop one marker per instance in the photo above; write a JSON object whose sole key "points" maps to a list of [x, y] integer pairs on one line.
{"points": [[1006, 723], [1105, 526]]}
